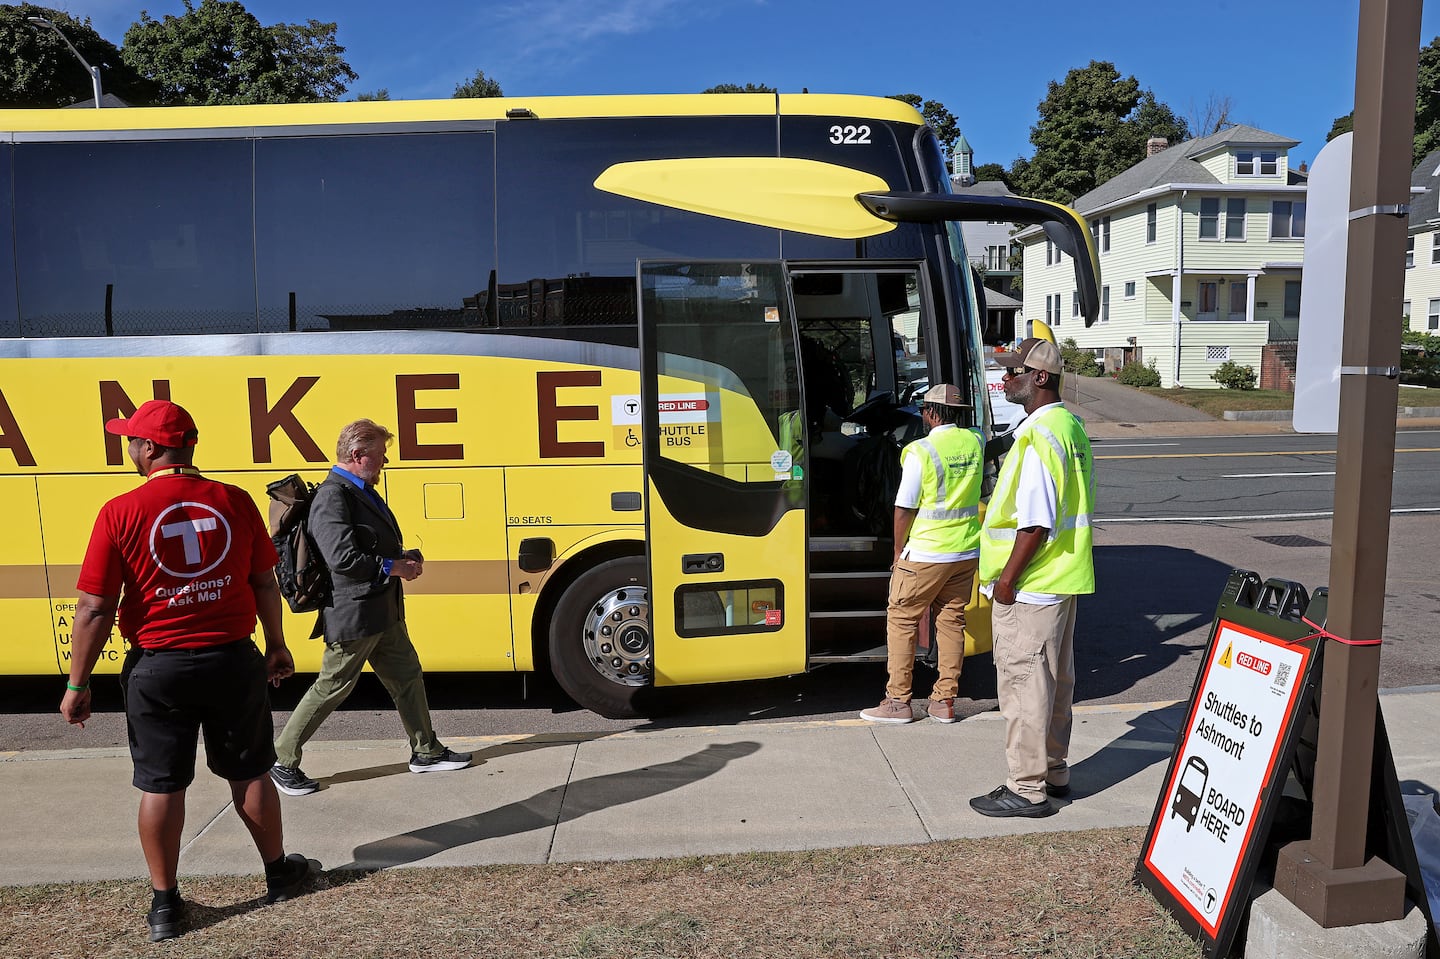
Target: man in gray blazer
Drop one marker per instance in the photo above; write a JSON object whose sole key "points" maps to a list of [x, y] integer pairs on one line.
{"points": [[360, 541]]}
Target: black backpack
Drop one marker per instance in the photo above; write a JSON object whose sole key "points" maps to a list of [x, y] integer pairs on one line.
{"points": [[302, 574]]}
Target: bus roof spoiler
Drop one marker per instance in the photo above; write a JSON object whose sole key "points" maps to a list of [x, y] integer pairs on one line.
{"points": [[1065, 227]]}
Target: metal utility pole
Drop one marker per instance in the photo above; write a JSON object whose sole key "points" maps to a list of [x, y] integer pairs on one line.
{"points": [[1327, 876], [40, 23]]}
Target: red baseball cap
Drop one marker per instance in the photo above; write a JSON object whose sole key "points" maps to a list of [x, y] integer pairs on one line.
{"points": [[160, 421]]}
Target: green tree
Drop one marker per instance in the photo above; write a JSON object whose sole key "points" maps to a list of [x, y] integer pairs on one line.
{"points": [[219, 53], [381, 94], [1092, 126], [37, 70], [941, 120], [992, 171], [737, 88], [1427, 106], [478, 86]]}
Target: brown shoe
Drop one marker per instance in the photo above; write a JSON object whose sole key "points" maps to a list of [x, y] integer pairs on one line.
{"points": [[889, 711], [942, 710]]}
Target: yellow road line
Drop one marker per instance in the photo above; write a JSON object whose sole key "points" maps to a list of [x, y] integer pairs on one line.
{"points": [[1190, 456]]}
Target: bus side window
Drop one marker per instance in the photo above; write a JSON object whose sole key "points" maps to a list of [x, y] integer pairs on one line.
{"points": [[9, 315], [158, 241]]}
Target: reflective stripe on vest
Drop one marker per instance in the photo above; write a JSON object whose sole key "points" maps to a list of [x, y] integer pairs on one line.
{"points": [[951, 471], [1063, 564]]}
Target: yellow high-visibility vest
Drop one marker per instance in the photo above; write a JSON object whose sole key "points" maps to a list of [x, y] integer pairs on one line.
{"points": [[951, 470], [1063, 565]]}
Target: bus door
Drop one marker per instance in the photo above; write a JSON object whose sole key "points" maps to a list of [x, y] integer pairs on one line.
{"points": [[725, 471]]}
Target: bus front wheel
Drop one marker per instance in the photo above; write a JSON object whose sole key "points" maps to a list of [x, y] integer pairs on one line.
{"points": [[601, 650]]}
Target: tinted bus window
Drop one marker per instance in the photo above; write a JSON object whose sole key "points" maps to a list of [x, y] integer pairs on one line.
{"points": [[374, 232], [568, 250], [134, 239], [872, 146], [9, 311]]}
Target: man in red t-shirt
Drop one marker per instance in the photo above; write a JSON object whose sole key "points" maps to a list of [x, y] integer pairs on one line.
{"points": [[188, 564]]}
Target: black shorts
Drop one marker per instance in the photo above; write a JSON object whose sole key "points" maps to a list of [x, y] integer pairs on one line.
{"points": [[172, 694]]}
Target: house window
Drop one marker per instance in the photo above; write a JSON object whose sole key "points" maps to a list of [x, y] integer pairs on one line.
{"points": [[1287, 220], [1129, 289], [1435, 248], [1405, 313], [1409, 253], [1292, 300], [1075, 305], [1049, 253], [1237, 299], [1105, 234], [1256, 163], [1432, 320], [1104, 304], [1210, 218], [1235, 218], [1152, 213], [1217, 354]]}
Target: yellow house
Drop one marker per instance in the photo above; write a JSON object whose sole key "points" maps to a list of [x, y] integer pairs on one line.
{"points": [[1422, 254], [1200, 245]]}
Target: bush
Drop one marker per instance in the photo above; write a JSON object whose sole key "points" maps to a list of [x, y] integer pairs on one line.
{"points": [[1137, 374], [1420, 364], [1078, 361], [1233, 376]]}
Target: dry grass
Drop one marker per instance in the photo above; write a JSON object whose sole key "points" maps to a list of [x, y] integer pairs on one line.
{"points": [[1063, 894], [1216, 402]]}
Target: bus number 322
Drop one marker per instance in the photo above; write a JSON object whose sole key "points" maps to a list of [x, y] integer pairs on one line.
{"points": [[850, 134]]}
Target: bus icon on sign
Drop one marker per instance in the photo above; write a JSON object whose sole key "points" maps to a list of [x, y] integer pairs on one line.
{"points": [[1187, 795]]}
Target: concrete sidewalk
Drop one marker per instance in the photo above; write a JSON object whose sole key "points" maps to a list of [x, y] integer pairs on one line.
{"points": [[637, 794]]}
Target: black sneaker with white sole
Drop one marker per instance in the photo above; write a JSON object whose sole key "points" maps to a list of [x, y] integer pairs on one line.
{"points": [[444, 762], [291, 781]]}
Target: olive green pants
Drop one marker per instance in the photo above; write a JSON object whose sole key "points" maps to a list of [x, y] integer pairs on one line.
{"points": [[393, 658]]}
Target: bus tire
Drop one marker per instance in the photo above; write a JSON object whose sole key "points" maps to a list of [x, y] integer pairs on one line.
{"points": [[601, 649]]}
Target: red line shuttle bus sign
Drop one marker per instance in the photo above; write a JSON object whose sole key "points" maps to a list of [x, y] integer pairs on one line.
{"points": [[1227, 761]]}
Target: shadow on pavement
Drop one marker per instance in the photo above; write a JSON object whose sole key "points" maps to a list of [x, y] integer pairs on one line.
{"points": [[548, 808], [1149, 740]]}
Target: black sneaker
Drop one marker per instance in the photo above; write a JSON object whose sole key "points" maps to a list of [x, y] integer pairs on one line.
{"points": [[444, 762], [292, 877], [164, 921], [291, 781], [1002, 802]]}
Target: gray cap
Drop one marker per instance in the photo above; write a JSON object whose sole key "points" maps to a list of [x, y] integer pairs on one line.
{"points": [[1035, 353], [943, 394]]}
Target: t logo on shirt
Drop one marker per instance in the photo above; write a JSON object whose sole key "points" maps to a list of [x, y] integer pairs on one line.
{"points": [[189, 539]]}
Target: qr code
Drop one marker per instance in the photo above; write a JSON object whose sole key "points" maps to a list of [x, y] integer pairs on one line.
{"points": [[1282, 674]]}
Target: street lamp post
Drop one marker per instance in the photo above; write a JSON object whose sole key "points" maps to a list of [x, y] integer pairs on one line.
{"points": [[39, 23]]}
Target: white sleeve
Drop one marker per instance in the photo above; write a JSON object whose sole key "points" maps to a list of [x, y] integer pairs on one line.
{"points": [[908, 495], [1035, 496]]}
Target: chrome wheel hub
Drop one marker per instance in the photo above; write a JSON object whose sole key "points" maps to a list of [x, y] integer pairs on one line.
{"points": [[617, 636]]}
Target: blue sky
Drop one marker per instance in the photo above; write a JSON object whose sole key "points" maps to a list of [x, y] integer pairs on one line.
{"points": [[1287, 68]]}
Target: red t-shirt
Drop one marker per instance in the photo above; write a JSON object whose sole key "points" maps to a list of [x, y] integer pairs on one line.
{"points": [[183, 547]]}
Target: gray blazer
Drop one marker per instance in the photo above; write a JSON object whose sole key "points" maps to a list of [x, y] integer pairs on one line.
{"points": [[354, 534]]}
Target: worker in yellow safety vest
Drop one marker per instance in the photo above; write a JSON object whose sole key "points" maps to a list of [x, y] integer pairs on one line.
{"points": [[1035, 559], [937, 548]]}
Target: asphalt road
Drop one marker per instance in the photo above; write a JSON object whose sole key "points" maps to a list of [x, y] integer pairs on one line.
{"points": [[1176, 515]]}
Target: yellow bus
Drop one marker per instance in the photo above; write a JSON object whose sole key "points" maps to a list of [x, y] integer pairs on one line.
{"points": [[647, 358]]}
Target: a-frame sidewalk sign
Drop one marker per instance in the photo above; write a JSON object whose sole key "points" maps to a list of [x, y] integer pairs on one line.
{"points": [[1239, 780]]}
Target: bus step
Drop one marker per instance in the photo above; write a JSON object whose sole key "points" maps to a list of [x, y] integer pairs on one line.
{"points": [[877, 655], [835, 592], [847, 553]]}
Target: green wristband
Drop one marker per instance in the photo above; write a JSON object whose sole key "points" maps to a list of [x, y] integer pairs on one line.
{"points": [[77, 689]]}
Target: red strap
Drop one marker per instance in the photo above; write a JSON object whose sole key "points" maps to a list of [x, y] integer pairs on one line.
{"points": [[1322, 633]]}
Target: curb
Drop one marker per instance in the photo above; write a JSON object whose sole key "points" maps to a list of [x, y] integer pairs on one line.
{"points": [[1271, 416]]}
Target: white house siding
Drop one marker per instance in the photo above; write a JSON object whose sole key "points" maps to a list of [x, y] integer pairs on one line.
{"points": [[1244, 341], [1422, 281]]}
